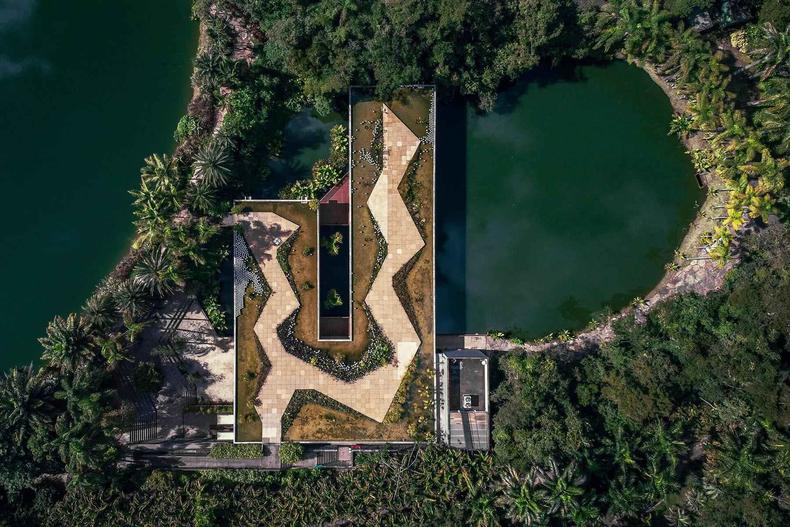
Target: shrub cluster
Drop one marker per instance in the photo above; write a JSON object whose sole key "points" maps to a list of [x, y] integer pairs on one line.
{"points": [[378, 353], [234, 451]]}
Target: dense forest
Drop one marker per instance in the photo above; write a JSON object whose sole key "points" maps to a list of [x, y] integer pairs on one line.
{"points": [[680, 420]]}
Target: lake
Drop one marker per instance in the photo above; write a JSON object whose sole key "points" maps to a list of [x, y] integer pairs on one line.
{"points": [[87, 90], [566, 200]]}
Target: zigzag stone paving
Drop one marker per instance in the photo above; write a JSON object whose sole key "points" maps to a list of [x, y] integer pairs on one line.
{"points": [[265, 231]]}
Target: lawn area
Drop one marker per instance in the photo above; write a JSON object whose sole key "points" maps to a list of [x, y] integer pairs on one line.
{"points": [[319, 423], [251, 369]]}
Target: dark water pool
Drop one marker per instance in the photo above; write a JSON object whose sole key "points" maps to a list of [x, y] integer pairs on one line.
{"points": [[566, 200], [87, 90], [305, 141], [334, 272]]}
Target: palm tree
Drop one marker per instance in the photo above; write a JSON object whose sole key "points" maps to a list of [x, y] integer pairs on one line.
{"points": [[734, 209], [133, 329], [641, 27], [733, 126], [720, 248], [99, 311], [113, 348], [521, 498], [770, 172], [208, 68], [747, 148], [773, 54], [688, 54], [160, 170], [620, 446], [187, 241], [224, 141], [68, 344], [157, 272], [665, 441], [482, 511], [25, 406], [159, 197], [162, 173], [563, 488], [714, 85], [202, 198], [661, 481], [131, 299], [82, 446], [681, 125], [82, 395], [736, 460], [624, 497], [212, 165], [760, 206], [773, 115], [703, 111], [152, 211]]}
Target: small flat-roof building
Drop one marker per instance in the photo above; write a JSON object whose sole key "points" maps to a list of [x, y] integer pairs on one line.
{"points": [[464, 416]]}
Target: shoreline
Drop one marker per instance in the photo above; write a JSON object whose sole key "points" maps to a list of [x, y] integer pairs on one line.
{"points": [[123, 268], [699, 276]]}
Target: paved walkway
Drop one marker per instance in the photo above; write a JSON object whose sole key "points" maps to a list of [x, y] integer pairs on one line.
{"points": [[372, 394], [400, 232]]}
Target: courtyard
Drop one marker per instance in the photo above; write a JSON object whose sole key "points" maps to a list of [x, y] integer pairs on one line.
{"points": [[291, 381]]}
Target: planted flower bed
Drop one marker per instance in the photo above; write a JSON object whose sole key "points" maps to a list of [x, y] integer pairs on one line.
{"points": [[378, 352]]}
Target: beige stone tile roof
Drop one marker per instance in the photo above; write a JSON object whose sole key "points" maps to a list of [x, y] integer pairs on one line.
{"points": [[372, 394]]}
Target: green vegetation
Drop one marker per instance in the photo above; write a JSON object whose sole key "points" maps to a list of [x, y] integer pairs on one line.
{"points": [[215, 314], [680, 420], [212, 164], [743, 150], [233, 451], [290, 452], [147, 377], [157, 272], [333, 243], [684, 8], [61, 416], [209, 409], [187, 127], [777, 12], [252, 367], [333, 299], [471, 46]]}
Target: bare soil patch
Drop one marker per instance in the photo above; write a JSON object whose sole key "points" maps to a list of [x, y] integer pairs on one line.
{"points": [[316, 422]]}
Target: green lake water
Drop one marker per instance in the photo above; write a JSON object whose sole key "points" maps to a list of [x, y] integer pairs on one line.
{"points": [[567, 199], [87, 90], [305, 141]]}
